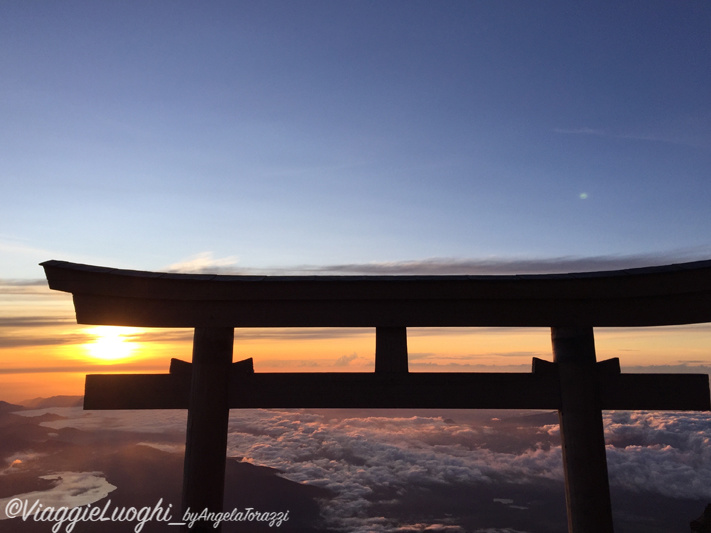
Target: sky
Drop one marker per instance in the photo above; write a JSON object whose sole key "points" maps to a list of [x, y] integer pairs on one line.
{"points": [[345, 137], [282, 134]]}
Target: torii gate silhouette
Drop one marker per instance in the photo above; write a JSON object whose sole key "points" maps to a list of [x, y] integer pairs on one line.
{"points": [[574, 383]]}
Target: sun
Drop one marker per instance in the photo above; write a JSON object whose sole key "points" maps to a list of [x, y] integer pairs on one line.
{"points": [[111, 343]]}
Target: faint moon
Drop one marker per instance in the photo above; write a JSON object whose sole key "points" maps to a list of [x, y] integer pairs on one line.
{"points": [[583, 195]]}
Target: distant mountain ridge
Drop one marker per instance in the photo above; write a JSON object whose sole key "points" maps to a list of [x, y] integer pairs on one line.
{"points": [[53, 401], [6, 407]]}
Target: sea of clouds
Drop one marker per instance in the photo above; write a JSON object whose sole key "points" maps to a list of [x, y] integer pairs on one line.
{"points": [[372, 461]]}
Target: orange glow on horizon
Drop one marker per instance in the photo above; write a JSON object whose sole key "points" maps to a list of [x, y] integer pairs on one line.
{"points": [[52, 357]]}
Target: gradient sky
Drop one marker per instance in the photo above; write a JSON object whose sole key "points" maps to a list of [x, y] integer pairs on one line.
{"points": [[288, 133], [283, 135]]}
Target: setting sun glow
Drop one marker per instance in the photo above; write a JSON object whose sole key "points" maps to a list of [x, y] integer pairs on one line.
{"points": [[111, 343]]}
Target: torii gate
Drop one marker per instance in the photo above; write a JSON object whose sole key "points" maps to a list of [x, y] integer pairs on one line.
{"points": [[574, 384]]}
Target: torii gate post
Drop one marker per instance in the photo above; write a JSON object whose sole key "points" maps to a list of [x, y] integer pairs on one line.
{"points": [[587, 488], [208, 417], [574, 383]]}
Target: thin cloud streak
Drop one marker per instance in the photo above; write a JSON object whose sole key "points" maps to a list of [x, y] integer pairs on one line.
{"points": [[27, 287], [580, 131], [676, 136], [23, 283], [454, 266], [444, 266], [206, 263], [89, 369], [35, 321]]}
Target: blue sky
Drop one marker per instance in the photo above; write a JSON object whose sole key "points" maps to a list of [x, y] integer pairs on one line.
{"points": [[277, 134]]}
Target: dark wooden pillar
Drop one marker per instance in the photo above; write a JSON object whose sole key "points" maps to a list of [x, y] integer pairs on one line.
{"points": [[208, 413], [587, 489], [391, 350]]}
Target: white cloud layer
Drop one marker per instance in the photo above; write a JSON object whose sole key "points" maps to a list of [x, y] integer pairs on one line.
{"points": [[360, 457], [666, 453]]}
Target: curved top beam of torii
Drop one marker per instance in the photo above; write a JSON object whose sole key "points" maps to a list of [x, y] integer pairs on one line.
{"points": [[654, 296]]}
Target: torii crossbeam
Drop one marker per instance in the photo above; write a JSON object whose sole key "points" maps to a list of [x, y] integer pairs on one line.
{"points": [[574, 384]]}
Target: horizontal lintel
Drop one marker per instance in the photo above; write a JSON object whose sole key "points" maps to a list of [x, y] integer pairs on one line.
{"points": [[434, 312], [332, 390], [415, 390], [655, 392]]}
